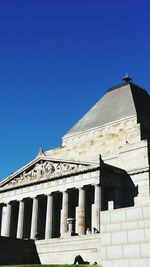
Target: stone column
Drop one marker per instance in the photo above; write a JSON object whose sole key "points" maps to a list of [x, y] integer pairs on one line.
{"points": [[64, 214], [3, 220], [20, 219], [80, 213], [49, 213], [96, 208], [7, 220], [34, 218]]}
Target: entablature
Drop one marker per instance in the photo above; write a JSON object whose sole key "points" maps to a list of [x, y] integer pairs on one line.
{"points": [[80, 179]]}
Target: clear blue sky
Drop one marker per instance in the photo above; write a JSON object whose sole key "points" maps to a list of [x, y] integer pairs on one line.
{"points": [[57, 58]]}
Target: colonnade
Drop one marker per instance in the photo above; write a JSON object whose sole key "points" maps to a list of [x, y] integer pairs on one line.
{"points": [[81, 213]]}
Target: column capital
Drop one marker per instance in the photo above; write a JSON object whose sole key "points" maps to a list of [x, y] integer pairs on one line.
{"points": [[48, 195], [81, 188], [21, 200], [34, 197], [96, 185], [64, 191]]}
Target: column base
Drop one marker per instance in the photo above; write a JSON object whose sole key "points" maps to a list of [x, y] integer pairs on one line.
{"points": [[68, 234]]}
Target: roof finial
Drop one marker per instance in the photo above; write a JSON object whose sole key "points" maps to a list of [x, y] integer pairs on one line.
{"points": [[127, 79], [41, 152]]}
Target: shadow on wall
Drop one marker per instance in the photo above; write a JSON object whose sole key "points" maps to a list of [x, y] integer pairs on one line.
{"points": [[117, 186], [17, 251], [149, 158]]}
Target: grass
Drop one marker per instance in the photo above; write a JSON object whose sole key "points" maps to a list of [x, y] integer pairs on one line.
{"points": [[50, 265]]}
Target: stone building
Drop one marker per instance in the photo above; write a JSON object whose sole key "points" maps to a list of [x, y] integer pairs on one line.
{"points": [[98, 178]]}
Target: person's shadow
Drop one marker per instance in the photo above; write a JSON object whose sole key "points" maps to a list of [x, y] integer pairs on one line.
{"points": [[79, 260]]}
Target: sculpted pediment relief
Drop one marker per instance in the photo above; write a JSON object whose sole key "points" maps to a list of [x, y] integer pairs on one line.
{"points": [[42, 170]]}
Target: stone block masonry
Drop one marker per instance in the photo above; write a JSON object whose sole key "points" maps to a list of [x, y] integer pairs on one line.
{"points": [[125, 237], [64, 250]]}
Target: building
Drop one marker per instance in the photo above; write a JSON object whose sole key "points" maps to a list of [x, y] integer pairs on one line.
{"points": [[98, 178]]}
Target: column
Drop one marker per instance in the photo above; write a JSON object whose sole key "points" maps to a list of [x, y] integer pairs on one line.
{"points": [[64, 214], [34, 218], [7, 220], [96, 207], [49, 213], [80, 213], [20, 219], [3, 220]]}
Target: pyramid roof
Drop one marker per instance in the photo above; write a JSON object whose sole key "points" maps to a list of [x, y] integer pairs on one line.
{"points": [[118, 103]]}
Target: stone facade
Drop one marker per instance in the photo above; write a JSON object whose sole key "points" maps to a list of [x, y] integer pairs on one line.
{"points": [[98, 178], [125, 238]]}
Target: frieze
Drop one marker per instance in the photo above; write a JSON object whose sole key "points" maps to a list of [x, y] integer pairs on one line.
{"points": [[43, 170]]}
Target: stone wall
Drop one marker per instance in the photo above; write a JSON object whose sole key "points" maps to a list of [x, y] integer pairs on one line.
{"points": [[17, 251], [64, 250], [125, 237], [119, 143], [105, 140]]}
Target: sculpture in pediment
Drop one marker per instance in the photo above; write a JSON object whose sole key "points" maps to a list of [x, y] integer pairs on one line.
{"points": [[42, 170]]}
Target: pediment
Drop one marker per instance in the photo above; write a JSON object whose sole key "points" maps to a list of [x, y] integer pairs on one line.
{"points": [[41, 169]]}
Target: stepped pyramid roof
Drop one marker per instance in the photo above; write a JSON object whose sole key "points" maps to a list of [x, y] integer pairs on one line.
{"points": [[120, 102]]}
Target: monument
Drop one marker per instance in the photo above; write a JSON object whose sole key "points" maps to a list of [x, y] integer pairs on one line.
{"points": [[98, 179]]}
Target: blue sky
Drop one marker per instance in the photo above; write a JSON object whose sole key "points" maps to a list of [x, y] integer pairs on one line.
{"points": [[57, 58]]}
